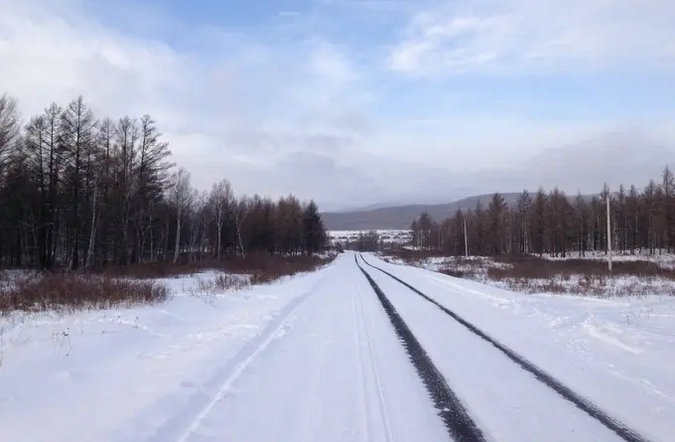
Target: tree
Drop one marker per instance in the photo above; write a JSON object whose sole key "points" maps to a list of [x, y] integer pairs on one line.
{"points": [[77, 131], [523, 207], [180, 198], [496, 224], [314, 233], [9, 129], [221, 201]]}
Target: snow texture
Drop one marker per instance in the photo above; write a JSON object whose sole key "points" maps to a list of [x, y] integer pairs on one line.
{"points": [[315, 357]]}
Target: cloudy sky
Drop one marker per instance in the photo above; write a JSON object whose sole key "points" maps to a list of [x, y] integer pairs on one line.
{"points": [[359, 102]]}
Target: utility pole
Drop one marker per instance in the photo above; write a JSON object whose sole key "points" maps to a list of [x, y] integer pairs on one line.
{"points": [[466, 240], [609, 237]]}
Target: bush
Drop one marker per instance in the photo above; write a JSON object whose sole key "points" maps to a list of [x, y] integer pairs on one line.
{"points": [[260, 268], [411, 256], [155, 269], [63, 291], [273, 266], [530, 267], [265, 268]]}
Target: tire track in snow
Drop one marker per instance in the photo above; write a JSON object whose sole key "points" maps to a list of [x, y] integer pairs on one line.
{"points": [[582, 403], [362, 378], [384, 415], [459, 424]]}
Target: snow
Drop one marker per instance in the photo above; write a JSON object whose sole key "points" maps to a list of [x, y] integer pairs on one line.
{"points": [[314, 357], [311, 357], [617, 352]]}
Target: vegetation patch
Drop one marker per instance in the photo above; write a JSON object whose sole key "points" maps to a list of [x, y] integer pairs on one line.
{"points": [[69, 291], [259, 269], [532, 274]]}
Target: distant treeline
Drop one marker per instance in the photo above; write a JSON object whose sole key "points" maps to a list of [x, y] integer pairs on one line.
{"points": [[77, 191], [552, 223]]}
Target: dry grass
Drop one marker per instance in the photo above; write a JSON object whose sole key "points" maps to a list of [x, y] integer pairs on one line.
{"points": [[529, 267], [222, 283], [63, 291], [531, 274], [129, 285], [264, 266], [155, 270], [411, 256], [259, 269]]}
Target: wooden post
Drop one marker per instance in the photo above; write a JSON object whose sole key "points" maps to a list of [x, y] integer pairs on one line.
{"points": [[609, 237], [466, 240]]}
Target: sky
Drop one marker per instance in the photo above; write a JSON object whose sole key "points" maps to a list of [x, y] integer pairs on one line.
{"points": [[365, 102]]}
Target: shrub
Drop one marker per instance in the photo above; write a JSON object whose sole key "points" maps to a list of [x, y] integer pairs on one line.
{"points": [[223, 283], [533, 267], [63, 291], [264, 267]]}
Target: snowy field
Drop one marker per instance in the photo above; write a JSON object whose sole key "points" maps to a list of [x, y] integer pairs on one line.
{"points": [[315, 357], [478, 268]]}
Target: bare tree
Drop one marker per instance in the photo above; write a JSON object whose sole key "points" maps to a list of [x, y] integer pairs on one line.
{"points": [[9, 128], [221, 199], [77, 126], [180, 197]]}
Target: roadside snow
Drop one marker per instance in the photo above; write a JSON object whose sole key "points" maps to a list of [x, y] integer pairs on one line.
{"points": [[117, 374], [311, 357]]}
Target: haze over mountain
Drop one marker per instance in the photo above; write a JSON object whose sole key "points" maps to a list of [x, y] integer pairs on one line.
{"points": [[400, 217]]}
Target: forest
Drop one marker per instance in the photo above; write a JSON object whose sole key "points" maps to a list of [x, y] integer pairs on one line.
{"points": [[81, 192], [642, 221]]}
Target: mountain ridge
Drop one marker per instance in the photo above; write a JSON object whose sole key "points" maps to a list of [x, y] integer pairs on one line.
{"points": [[400, 216]]}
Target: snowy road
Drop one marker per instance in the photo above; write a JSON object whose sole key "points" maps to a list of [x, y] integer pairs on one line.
{"points": [[317, 357], [334, 371], [508, 402]]}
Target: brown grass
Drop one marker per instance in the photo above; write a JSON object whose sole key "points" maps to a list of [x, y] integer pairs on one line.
{"points": [[265, 268], [223, 283], [529, 267], [531, 274], [259, 269], [411, 256], [155, 269], [63, 291], [264, 265]]}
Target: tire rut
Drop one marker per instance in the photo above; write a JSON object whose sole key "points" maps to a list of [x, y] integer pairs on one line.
{"points": [[457, 420], [613, 424]]}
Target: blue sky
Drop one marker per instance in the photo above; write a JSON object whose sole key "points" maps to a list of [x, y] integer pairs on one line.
{"points": [[355, 102]]}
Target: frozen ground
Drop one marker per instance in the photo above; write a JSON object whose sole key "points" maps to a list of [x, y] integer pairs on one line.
{"points": [[314, 357]]}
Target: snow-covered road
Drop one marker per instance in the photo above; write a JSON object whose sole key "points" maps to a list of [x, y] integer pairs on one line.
{"points": [[315, 357]]}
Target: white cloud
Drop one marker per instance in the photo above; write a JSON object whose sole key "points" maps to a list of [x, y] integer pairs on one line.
{"points": [[530, 34], [224, 104], [307, 117]]}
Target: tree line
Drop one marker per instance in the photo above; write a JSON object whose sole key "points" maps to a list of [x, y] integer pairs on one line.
{"points": [[77, 191], [642, 221]]}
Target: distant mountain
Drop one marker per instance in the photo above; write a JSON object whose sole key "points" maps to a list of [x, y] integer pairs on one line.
{"points": [[400, 217]]}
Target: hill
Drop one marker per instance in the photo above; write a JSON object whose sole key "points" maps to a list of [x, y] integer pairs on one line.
{"points": [[400, 217]]}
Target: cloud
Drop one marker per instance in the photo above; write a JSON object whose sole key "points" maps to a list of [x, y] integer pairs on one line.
{"points": [[288, 109], [223, 100], [516, 35]]}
